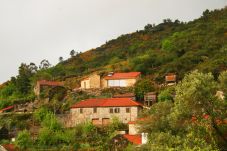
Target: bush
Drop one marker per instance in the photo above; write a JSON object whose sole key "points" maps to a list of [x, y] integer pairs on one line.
{"points": [[23, 140], [141, 87], [166, 95]]}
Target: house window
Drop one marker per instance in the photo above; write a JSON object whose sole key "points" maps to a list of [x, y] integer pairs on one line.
{"points": [[114, 110], [81, 110], [117, 83], [95, 110], [117, 110], [128, 110], [85, 85]]}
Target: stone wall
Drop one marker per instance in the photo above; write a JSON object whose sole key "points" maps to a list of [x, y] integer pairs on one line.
{"points": [[130, 82], [85, 84], [95, 81], [133, 129]]}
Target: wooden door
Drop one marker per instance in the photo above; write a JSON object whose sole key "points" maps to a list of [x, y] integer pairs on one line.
{"points": [[95, 121], [105, 121]]}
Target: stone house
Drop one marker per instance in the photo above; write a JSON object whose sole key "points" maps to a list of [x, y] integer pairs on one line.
{"points": [[121, 79], [150, 98], [44, 83], [111, 80], [92, 81], [101, 111], [134, 135], [171, 79]]}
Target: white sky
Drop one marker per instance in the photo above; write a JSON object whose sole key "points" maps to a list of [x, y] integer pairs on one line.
{"points": [[32, 30]]}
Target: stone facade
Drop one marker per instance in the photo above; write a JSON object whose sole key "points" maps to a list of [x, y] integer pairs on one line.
{"points": [[43, 83], [93, 81], [103, 115], [133, 129]]}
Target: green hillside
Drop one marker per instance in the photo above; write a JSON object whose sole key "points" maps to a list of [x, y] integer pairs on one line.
{"points": [[187, 116], [171, 46]]}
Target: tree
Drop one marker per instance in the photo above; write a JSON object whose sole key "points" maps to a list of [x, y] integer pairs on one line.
{"points": [[23, 81], [194, 121], [223, 81], [44, 64], [33, 68], [60, 59], [195, 98], [166, 95], [23, 140], [72, 53], [141, 87]]}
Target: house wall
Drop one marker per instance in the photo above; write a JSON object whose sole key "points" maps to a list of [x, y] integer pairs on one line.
{"points": [[104, 83], [133, 129], [102, 113], [95, 81], [129, 82], [87, 81], [37, 89]]}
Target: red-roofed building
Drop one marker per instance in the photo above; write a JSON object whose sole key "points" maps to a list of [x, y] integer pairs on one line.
{"points": [[135, 139], [7, 147], [121, 79], [45, 83], [134, 136], [9, 108], [171, 79], [91, 82], [111, 80], [101, 111]]}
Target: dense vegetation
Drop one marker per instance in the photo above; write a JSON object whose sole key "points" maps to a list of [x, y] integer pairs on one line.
{"points": [[194, 120], [187, 117]]}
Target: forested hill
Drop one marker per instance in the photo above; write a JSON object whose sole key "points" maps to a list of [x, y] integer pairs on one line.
{"points": [[171, 46]]}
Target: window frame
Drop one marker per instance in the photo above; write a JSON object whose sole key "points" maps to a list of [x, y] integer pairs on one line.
{"points": [[95, 110], [117, 110], [81, 110], [128, 110]]}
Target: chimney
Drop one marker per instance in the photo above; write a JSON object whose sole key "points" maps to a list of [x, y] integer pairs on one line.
{"points": [[144, 138], [110, 74]]}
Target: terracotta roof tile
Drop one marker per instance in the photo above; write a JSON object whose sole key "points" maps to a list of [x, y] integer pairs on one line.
{"points": [[126, 95], [9, 147], [135, 139], [170, 77], [106, 102], [138, 120], [7, 108], [127, 75], [50, 83]]}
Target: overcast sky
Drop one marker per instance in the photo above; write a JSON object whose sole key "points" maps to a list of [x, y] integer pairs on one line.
{"points": [[32, 30]]}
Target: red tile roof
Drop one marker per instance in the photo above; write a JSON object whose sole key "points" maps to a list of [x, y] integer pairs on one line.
{"points": [[106, 102], [7, 108], [170, 77], [50, 83], [135, 139], [9, 147], [126, 95], [128, 75], [138, 120]]}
